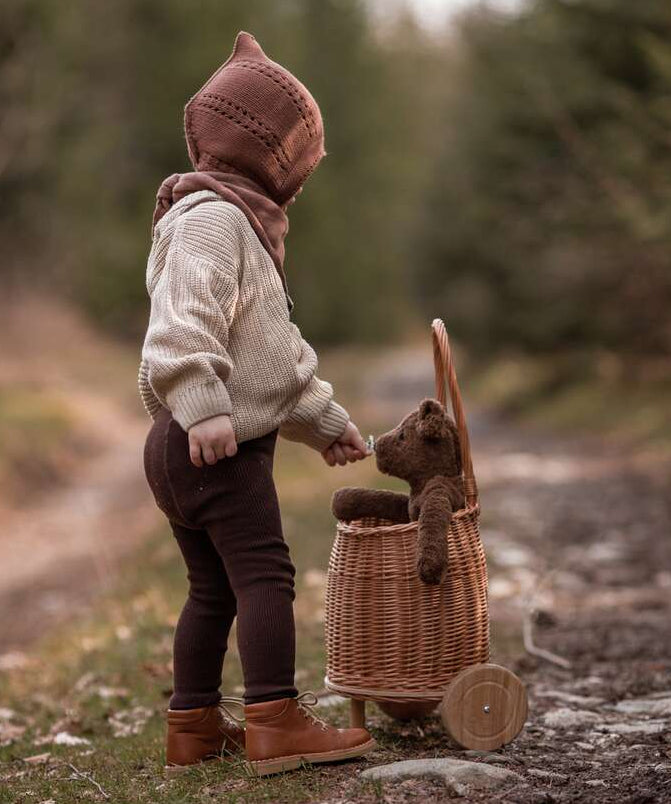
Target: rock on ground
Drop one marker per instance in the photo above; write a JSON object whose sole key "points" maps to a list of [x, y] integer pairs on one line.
{"points": [[636, 727], [653, 705], [569, 718], [457, 774]]}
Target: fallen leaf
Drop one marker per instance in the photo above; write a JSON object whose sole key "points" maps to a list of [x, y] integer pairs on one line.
{"points": [[123, 633], [111, 692], [84, 681], [129, 721], [9, 732], [38, 759], [65, 738]]}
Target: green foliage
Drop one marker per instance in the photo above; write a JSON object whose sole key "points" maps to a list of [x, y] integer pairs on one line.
{"points": [[508, 174], [38, 439], [549, 222], [103, 119]]}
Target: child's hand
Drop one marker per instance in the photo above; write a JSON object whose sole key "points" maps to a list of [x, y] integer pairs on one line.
{"points": [[211, 440], [349, 447]]}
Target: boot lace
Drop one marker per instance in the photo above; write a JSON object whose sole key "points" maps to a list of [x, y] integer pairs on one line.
{"points": [[306, 702]]}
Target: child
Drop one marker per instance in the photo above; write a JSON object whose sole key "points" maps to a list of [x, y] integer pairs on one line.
{"points": [[223, 371]]}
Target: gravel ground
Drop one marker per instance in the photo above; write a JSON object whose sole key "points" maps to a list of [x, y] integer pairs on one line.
{"points": [[577, 533], [577, 536]]}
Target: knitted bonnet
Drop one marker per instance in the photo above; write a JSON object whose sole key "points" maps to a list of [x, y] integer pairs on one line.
{"points": [[254, 116]]}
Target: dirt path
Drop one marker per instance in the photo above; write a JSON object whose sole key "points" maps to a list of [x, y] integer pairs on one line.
{"points": [[579, 531], [67, 547], [575, 529], [62, 547]]}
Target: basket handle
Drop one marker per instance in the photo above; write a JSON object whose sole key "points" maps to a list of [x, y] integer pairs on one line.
{"points": [[444, 369]]}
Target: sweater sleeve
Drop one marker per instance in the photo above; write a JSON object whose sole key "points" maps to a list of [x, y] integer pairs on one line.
{"points": [[317, 419], [185, 349]]}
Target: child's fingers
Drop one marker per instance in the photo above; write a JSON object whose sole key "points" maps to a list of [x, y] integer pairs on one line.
{"points": [[209, 455], [358, 443], [224, 447], [353, 438], [350, 453], [194, 452], [231, 448], [338, 454]]}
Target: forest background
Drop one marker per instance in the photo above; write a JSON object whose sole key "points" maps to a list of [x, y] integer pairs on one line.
{"points": [[508, 171]]}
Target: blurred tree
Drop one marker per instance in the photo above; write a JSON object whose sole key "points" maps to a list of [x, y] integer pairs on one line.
{"points": [[344, 286], [509, 173], [24, 140], [549, 221], [94, 94]]}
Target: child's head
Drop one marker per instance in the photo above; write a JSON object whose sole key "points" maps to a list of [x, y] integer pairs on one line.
{"points": [[255, 117]]}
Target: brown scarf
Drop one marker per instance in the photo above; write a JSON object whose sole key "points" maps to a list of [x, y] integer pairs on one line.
{"points": [[267, 218], [252, 118]]}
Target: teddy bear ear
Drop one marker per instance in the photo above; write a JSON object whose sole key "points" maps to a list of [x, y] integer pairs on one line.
{"points": [[432, 420]]}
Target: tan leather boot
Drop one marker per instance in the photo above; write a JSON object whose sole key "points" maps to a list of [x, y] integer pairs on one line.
{"points": [[282, 735], [196, 735]]}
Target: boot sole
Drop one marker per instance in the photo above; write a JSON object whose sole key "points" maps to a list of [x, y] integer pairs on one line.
{"points": [[169, 771], [266, 767]]}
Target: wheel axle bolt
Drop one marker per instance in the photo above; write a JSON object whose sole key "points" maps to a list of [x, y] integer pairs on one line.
{"points": [[486, 709]]}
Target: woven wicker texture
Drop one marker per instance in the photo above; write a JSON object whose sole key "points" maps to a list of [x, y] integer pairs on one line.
{"points": [[388, 635]]}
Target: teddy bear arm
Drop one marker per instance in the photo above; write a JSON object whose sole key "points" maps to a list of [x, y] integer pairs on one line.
{"points": [[356, 503], [434, 522]]}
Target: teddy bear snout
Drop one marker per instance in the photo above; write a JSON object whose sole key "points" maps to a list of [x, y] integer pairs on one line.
{"points": [[380, 453], [384, 457]]}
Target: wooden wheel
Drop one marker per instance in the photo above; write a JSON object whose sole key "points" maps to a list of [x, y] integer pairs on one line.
{"points": [[485, 707]]}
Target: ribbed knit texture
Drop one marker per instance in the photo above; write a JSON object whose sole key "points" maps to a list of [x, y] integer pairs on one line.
{"points": [[220, 339], [226, 520]]}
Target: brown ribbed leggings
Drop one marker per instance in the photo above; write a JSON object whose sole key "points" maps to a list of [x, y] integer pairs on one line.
{"points": [[226, 520]]}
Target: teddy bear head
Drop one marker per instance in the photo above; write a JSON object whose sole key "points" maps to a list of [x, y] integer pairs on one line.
{"points": [[423, 445]]}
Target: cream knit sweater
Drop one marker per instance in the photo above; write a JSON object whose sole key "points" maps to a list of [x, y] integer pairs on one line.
{"points": [[219, 338]]}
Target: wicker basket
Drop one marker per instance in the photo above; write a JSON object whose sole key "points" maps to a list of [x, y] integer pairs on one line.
{"points": [[390, 637]]}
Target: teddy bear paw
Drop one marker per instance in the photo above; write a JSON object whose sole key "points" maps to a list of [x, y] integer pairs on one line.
{"points": [[431, 569]]}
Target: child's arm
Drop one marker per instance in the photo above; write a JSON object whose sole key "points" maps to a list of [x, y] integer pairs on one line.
{"points": [[318, 420], [185, 349]]}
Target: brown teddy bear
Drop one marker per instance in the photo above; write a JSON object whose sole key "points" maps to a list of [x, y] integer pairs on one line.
{"points": [[424, 450]]}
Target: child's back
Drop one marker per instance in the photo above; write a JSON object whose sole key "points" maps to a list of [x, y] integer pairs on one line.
{"points": [[220, 340]]}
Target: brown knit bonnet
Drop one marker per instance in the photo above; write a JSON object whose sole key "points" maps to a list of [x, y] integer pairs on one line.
{"points": [[254, 135], [253, 115]]}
